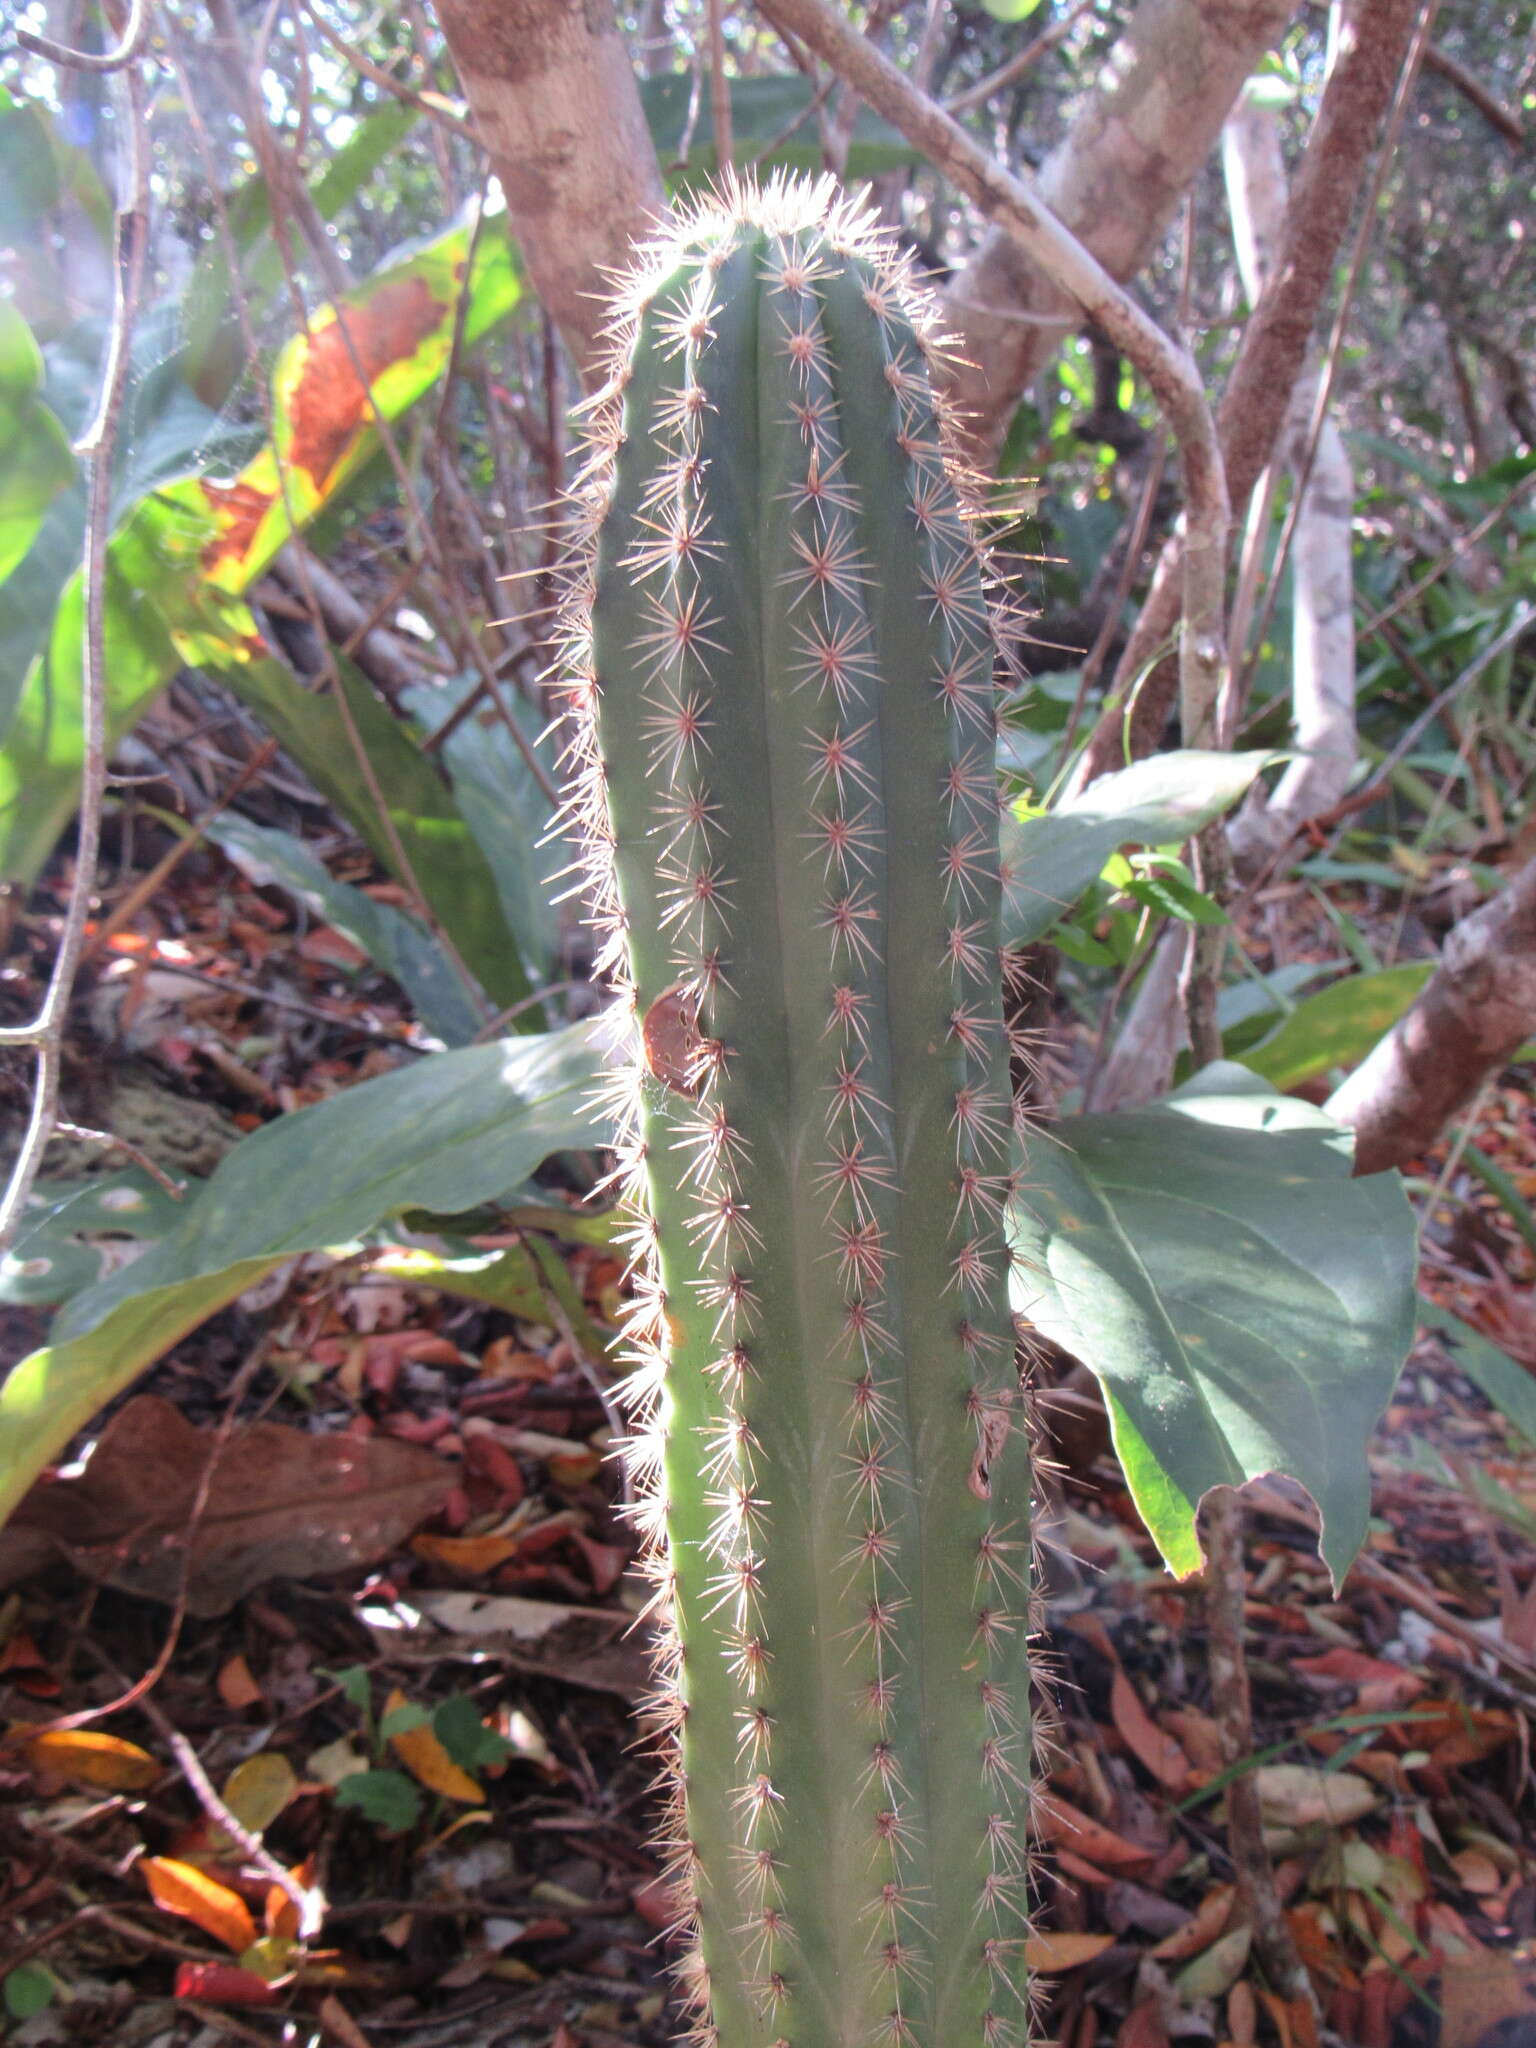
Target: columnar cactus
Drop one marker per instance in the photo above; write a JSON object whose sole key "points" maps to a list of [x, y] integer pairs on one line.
{"points": [[781, 659]]}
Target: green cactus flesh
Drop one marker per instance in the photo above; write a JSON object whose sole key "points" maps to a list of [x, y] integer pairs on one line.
{"points": [[781, 657]]}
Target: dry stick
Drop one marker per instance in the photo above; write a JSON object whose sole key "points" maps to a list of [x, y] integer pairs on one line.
{"points": [[1023, 215], [366, 68], [1226, 1587], [1274, 346], [82, 1134], [1027, 58], [1493, 110], [149, 884], [719, 91], [46, 1031], [89, 60]]}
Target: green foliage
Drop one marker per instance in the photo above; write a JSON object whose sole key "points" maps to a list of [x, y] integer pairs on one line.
{"points": [[1052, 857], [35, 459], [388, 1798], [1244, 1303], [1337, 1027], [447, 1133], [184, 550]]}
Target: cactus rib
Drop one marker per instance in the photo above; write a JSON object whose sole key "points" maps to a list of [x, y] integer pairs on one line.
{"points": [[781, 660]]}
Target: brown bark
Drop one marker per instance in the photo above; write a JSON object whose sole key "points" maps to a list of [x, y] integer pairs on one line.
{"points": [[554, 99], [1478, 1009], [1274, 347], [1136, 145]]}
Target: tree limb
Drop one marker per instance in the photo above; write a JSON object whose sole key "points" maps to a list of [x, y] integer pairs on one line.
{"points": [[1024, 217], [1477, 1010], [555, 102], [1257, 400], [1136, 145]]}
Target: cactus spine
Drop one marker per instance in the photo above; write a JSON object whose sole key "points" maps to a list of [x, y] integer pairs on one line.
{"points": [[781, 660]]}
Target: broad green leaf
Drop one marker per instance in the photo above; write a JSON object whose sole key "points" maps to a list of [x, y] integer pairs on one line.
{"points": [[506, 811], [398, 944], [70, 1229], [772, 122], [193, 540], [1245, 1304], [1506, 1383], [1338, 1026], [1161, 801], [448, 1132], [440, 851], [389, 1799], [505, 1279], [35, 459], [1010, 10]]}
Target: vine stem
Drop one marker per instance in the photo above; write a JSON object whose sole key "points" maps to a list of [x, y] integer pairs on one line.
{"points": [[97, 445]]}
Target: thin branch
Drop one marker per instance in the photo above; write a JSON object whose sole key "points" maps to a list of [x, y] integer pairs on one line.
{"points": [[1023, 215], [1025, 60], [1257, 400], [430, 105], [1493, 110], [97, 61], [97, 445]]}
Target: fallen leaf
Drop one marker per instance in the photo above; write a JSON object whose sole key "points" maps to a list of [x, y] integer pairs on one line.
{"points": [[183, 1889], [339, 2023], [1152, 1747], [1380, 1686], [470, 1556], [282, 1503], [428, 1762], [1299, 1795], [84, 1757], [1210, 1921], [1213, 1974], [1053, 1953], [222, 1984], [237, 1686], [259, 1789], [1065, 1827], [1483, 1992]]}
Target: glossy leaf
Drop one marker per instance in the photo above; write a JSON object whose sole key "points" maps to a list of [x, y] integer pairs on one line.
{"points": [[1338, 1026], [1162, 801], [1245, 1304], [183, 1889], [35, 459], [451, 1131]]}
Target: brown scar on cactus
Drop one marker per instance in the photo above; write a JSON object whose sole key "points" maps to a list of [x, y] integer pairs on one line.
{"points": [[780, 652]]}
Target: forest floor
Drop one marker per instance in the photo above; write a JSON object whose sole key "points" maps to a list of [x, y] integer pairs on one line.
{"points": [[440, 1740]]}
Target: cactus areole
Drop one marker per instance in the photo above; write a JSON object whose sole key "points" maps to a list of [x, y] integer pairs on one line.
{"points": [[781, 660]]}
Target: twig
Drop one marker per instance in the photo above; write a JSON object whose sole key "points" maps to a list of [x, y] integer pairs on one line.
{"points": [[1023, 215], [97, 444], [408, 95], [1493, 111], [1256, 403], [1332, 354], [97, 61], [1226, 1587], [148, 885], [110, 1142], [1025, 60]]}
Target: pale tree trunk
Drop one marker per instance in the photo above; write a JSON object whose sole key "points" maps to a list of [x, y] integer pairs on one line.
{"points": [[1321, 569], [1142, 134], [554, 98], [1476, 1012]]}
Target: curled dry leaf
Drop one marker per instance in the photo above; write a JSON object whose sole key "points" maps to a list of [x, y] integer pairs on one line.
{"points": [[428, 1762], [1052, 1953], [282, 1503], [183, 1889], [83, 1756]]}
